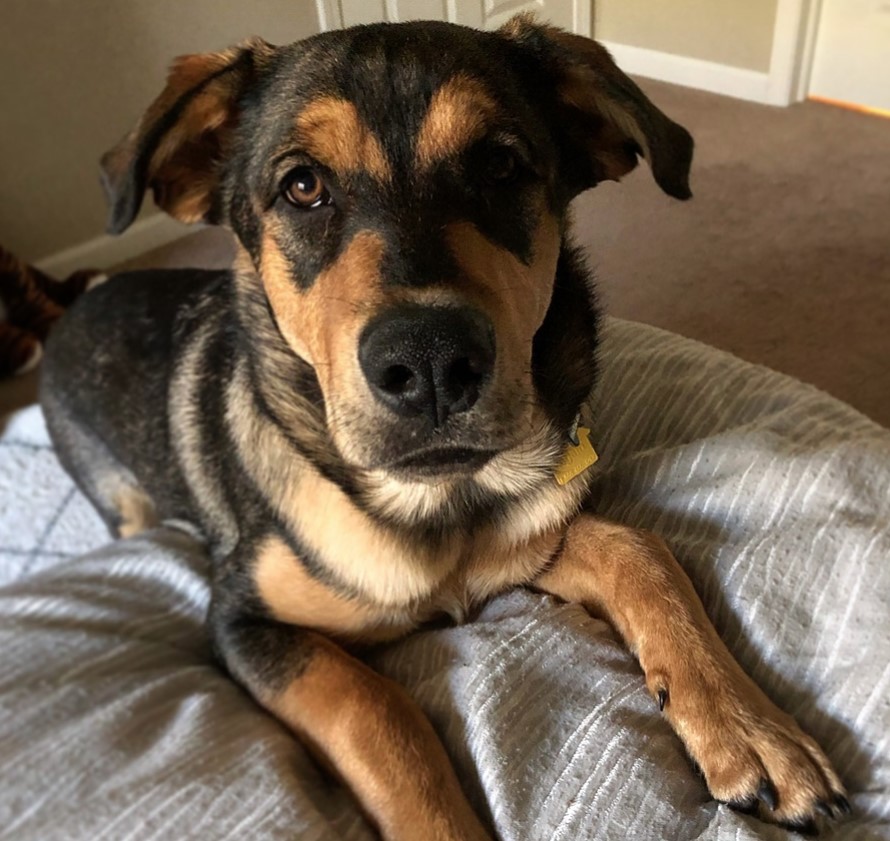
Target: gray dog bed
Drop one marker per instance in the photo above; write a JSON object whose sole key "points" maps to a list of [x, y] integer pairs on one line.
{"points": [[115, 724]]}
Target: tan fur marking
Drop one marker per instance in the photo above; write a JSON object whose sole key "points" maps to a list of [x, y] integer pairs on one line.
{"points": [[582, 87], [320, 322], [403, 499], [608, 143], [182, 171], [515, 296], [322, 325], [376, 561], [378, 740], [331, 131], [187, 431], [592, 83], [295, 596], [400, 583], [137, 511], [730, 728], [460, 112], [500, 561]]}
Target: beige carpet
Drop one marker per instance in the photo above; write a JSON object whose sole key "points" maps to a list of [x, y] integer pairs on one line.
{"points": [[782, 257]]}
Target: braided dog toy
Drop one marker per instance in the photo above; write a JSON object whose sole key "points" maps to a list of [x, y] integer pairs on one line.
{"points": [[30, 303]]}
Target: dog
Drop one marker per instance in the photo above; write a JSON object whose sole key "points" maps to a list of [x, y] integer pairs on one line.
{"points": [[380, 415]]}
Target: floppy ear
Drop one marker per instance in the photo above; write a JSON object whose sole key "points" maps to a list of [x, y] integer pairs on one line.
{"points": [[604, 119], [179, 144]]}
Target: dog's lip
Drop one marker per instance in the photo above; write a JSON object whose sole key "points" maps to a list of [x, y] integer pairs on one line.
{"points": [[438, 460]]}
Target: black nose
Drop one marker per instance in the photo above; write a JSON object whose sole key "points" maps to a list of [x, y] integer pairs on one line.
{"points": [[431, 361]]}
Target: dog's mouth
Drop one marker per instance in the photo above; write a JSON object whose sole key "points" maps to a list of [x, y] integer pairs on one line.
{"points": [[437, 462]]}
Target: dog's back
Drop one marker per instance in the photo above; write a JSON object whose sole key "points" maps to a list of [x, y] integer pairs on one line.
{"points": [[105, 388]]}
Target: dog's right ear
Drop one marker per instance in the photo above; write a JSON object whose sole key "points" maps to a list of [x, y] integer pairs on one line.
{"points": [[179, 145]]}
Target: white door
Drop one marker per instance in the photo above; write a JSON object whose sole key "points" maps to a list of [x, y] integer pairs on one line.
{"points": [[851, 63], [573, 15]]}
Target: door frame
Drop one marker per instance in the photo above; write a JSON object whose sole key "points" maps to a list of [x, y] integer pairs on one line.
{"points": [[794, 44], [330, 16]]}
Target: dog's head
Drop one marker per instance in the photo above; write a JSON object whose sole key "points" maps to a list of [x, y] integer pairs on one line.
{"points": [[401, 193]]}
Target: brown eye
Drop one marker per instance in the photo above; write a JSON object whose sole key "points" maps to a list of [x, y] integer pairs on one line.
{"points": [[303, 188], [501, 166]]}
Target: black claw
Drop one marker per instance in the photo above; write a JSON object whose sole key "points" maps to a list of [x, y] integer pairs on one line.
{"points": [[843, 804], [662, 698], [804, 827], [824, 809], [746, 807], [767, 793]]}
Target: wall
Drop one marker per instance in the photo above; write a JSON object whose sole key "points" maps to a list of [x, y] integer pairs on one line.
{"points": [[734, 32], [852, 54], [76, 75]]}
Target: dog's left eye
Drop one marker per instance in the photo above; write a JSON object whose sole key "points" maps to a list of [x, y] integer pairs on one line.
{"points": [[303, 188], [501, 166]]}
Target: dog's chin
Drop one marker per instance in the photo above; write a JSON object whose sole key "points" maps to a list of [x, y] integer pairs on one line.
{"points": [[436, 464]]}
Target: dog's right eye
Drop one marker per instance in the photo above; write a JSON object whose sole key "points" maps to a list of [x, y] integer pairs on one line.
{"points": [[304, 189]]}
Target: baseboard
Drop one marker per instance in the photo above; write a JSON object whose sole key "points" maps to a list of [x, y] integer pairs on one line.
{"points": [[106, 251], [693, 72]]}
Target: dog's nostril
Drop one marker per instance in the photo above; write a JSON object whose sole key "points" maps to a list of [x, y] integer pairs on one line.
{"points": [[465, 373], [397, 379], [463, 381]]}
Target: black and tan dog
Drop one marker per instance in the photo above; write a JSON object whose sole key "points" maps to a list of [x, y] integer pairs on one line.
{"points": [[371, 419]]}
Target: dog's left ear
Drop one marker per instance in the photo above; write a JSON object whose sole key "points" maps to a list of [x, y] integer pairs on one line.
{"points": [[179, 146], [604, 120]]}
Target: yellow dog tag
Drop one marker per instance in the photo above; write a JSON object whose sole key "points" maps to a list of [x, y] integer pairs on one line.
{"points": [[577, 458]]}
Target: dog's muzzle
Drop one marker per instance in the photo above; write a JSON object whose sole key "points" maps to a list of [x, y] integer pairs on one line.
{"points": [[432, 361]]}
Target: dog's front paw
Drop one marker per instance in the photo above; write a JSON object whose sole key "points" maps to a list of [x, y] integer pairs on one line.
{"points": [[753, 756]]}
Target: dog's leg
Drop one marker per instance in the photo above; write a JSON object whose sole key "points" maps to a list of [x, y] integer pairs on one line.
{"points": [[746, 747], [357, 723]]}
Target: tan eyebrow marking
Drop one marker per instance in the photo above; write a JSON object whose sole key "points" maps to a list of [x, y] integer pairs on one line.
{"points": [[331, 130], [460, 112]]}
